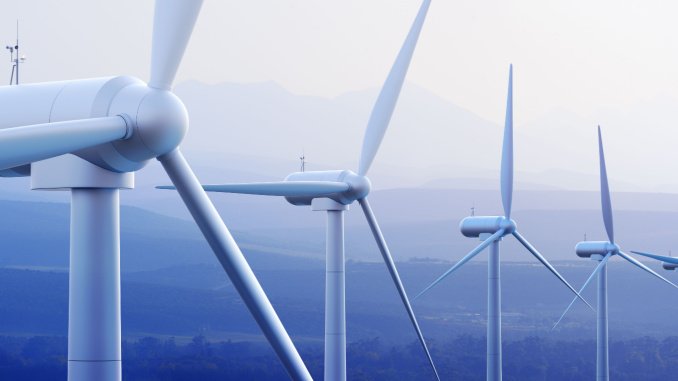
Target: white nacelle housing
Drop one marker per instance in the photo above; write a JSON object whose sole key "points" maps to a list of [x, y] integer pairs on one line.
{"points": [[24, 105], [159, 120], [588, 248], [474, 226], [359, 186]]}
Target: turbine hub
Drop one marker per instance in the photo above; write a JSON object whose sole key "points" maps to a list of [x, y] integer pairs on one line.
{"points": [[160, 124], [358, 186], [476, 225], [158, 121], [508, 225]]}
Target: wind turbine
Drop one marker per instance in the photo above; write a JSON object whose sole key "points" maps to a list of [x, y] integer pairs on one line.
{"points": [[491, 230], [669, 263], [90, 136], [333, 192], [602, 251]]}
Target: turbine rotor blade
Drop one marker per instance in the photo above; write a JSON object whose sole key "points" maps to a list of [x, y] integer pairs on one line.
{"points": [[642, 266], [234, 263], [388, 97], [605, 191], [498, 234], [390, 264], [546, 263], [593, 274], [507, 152], [657, 257], [280, 188], [173, 24], [27, 144]]}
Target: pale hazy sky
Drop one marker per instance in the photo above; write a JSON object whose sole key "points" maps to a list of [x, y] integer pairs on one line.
{"points": [[577, 55]]}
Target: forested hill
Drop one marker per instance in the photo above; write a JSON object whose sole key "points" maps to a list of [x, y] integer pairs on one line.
{"points": [[462, 358]]}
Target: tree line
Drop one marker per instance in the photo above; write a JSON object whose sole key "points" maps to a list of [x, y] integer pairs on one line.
{"points": [[463, 358]]}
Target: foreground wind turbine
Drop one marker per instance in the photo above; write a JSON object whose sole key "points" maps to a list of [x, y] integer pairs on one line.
{"points": [[602, 251], [90, 136], [333, 192], [491, 230]]}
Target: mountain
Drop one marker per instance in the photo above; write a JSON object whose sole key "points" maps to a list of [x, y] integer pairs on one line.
{"points": [[260, 129], [156, 230]]}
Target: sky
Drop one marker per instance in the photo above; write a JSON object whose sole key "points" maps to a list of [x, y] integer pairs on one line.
{"points": [[603, 61], [575, 55]]}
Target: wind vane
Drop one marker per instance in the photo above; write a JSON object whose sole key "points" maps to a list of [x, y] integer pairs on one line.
{"points": [[303, 162], [15, 60]]}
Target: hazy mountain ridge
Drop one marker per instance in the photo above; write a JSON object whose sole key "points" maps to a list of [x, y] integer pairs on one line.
{"points": [[429, 138], [417, 223]]}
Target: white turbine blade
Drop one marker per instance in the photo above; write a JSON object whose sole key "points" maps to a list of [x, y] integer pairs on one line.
{"points": [[507, 152], [605, 191], [232, 260], [657, 257], [546, 263], [172, 27], [642, 266], [280, 188], [498, 234], [27, 144], [383, 108], [390, 264], [593, 274]]}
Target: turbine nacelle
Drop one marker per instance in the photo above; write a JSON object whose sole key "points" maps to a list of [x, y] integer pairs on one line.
{"points": [[588, 248], [474, 226], [669, 266], [358, 186], [155, 120]]}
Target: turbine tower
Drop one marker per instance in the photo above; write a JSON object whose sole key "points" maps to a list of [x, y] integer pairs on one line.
{"points": [[333, 192], [602, 251], [491, 230], [89, 137]]}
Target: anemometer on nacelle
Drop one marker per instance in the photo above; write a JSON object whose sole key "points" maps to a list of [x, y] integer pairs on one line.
{"points": [[15, 60]]}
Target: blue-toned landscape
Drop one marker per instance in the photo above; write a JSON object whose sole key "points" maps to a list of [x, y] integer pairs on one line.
{"points": [[356, 190], [182, 318]]}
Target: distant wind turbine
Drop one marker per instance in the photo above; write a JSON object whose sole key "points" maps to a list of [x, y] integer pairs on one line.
{"points": [[669, 263], [491, 230], [602, 251], [333, 192]]}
